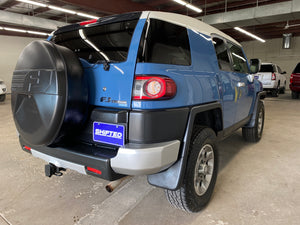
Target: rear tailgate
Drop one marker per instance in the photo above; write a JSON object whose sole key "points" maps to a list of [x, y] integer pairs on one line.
{"points": [[296, 79], [108, 51], [264, 77]]}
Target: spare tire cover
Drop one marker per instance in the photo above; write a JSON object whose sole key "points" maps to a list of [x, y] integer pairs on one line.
{"points": [[49, 93]]}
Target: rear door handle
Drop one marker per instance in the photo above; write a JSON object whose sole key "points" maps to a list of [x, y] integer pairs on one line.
{"points": [[240, 84]]}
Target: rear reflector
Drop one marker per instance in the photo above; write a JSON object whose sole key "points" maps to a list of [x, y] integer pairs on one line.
{"points": [[27, 148], [94, 170], [88, 22]]}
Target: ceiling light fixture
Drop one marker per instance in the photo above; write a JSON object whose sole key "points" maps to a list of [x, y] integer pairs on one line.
{"points": [[33, 3], [24, 31], [249, 34], [188, 5], [60, 9]]}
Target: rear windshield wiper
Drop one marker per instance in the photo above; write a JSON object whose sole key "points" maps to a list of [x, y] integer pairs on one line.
{"points": [[106, 65]]}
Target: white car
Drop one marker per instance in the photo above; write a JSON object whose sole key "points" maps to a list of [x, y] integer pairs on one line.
{"points": [[272, 78], [3, 90]]}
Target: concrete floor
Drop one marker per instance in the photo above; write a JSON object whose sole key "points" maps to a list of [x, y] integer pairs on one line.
{"points": [[257, 183]]}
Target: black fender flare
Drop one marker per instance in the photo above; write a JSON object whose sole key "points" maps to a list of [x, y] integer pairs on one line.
{"points": [[172, 177], [260, 95]]}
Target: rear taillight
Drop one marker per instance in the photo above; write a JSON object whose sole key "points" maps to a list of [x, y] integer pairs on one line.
{"points": [[88, 22], [273, 76], [153, 87], [291, 79]]}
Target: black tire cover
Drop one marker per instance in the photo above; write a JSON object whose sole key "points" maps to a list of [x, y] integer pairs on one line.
{"points": [[49, 93]]}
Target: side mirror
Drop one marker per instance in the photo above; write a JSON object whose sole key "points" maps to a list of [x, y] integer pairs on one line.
{"points": [[255, 65]]}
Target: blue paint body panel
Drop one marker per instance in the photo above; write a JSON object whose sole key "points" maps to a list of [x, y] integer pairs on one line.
{"points": [[113, 88], [200, 83]]}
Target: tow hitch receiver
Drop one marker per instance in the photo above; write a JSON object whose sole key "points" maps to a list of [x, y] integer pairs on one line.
{"points": [[51, 169]]}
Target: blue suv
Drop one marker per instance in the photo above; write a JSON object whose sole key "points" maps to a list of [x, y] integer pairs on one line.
{"points": [[134, 94]]}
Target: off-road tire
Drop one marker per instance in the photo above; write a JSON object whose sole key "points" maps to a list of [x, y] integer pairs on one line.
{"points": [[186, 197], [254, 134]]}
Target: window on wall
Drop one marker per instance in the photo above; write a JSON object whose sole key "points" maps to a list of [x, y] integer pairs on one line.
{"points": [[222, 54], [165, 43], [239, 62]]}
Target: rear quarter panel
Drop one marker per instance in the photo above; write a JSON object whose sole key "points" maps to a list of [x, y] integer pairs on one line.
{"points": [[196, 84]]}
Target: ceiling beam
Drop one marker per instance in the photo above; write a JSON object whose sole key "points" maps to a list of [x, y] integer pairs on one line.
{"points": [[10, 18], [288, 10]]}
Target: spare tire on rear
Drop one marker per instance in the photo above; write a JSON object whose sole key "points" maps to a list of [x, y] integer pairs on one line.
{"points": [[49, 93]]}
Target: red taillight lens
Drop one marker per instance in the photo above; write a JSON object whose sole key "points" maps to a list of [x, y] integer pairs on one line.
{"points": [[94, 170], [291, 79], [88, 22], [153, 87], [273, 76]]}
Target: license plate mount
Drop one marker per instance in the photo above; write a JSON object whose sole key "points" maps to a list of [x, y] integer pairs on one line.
{"points": [[109, 133]]}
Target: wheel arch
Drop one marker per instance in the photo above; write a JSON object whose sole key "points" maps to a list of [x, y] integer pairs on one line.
{"points": [[209, 115]]}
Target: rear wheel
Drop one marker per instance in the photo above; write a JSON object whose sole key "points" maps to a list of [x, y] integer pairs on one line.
{"points": [[253, 134], [295, 95], [275, 92], [201, 173], [282, 90], [2, 98]]}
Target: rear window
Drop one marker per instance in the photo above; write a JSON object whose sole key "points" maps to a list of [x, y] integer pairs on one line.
{"points": [[267, 68], [297, 69], [98, 43], [165, 43]]}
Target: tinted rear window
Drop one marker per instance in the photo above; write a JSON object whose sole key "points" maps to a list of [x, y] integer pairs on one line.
{"points": [[267, 68], [165, 43], [297, 69], [96, 43]]}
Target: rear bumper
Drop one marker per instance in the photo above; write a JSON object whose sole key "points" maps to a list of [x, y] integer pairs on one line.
{"points": [[295, 88], [132, 159]]}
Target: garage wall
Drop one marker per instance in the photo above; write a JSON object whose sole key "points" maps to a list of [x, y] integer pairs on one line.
{"points": [[271, 51], [11, 47]]}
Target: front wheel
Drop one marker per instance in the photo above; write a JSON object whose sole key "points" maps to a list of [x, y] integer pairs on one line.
{"points": [[200, 175], [253, 134]]}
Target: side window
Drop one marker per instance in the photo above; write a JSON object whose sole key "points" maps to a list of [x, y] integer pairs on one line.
{"points": [[238, 59], [279, 69], [222, 55], [165, 43]]}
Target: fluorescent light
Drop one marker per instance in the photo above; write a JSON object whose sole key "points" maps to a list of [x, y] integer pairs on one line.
{"points": [[33, 3], [15, 30], [24, 31], [188, 5], [37, 33], [249, 34], [87, 15], [180, 2], [196, 9], [61, 9]]}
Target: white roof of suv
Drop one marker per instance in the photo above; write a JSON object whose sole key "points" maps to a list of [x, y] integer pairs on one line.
{"points": [[188, 22]]}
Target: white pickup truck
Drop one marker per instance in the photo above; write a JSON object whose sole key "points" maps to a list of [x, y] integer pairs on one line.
{"points": [[272, 78]]}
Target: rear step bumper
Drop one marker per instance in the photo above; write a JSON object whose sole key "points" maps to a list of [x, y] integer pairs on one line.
{"points": [[132, 159]]}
